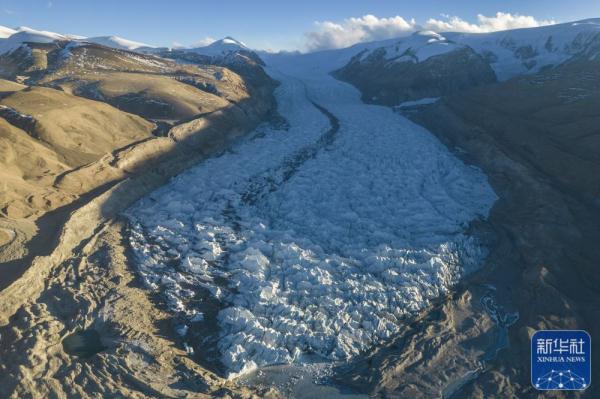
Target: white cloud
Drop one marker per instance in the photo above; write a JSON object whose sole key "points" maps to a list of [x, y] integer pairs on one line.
{"points": [[354, 30], [501, 21]]}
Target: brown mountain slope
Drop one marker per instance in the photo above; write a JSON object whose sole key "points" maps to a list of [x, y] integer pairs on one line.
{"points": [[148, 95], [77, 129], [27, 171], [146, 85], [6, 87], [46, 132], [85, 101]]}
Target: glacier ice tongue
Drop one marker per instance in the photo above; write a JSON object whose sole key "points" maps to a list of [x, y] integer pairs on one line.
{"points": [[331, 258]]}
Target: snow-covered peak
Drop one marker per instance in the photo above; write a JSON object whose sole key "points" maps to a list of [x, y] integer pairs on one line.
{"points": [[11, 39], [116, 42], [520, 51], [510, 53], [417, 47], [221, 47], [28, 35], [591, 21], [6, 32], [231, 40]]}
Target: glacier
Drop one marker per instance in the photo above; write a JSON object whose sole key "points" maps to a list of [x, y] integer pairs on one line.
{"points": [[314, 238]]}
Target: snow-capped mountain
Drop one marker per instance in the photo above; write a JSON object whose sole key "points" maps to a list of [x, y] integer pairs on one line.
{"points": [[117, 42], [11, 39], [25, 34], [6, 32], [522, 51], [429, 64], [509, 53], [417, 48], [221, 47]]}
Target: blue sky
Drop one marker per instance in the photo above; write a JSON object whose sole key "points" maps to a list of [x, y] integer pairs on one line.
{"points": [[261, 24]]}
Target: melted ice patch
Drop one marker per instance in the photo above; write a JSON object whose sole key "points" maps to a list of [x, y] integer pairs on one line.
{"points": [[323, 258]]}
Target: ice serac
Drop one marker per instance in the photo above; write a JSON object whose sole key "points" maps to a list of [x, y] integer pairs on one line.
{"points": [[317, 236]]}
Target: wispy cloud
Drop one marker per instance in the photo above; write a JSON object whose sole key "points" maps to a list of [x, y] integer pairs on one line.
{"points": [[329, 34]]}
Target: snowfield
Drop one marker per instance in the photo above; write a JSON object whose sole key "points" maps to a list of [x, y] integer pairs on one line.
{"points": [[317, 238]]}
